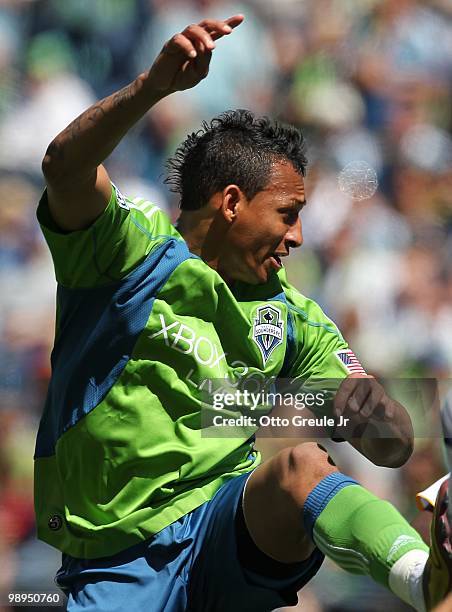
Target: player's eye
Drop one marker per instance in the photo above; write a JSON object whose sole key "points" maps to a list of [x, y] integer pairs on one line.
{"points": [[291, 217]]}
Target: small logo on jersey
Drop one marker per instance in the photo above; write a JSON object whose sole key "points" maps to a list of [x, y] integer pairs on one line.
{"points": [[350, 361], [268, 330], [120, 199], [55, 522]]}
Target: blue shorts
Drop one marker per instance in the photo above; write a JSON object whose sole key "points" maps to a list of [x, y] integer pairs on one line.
{"points": [[193, 565]]}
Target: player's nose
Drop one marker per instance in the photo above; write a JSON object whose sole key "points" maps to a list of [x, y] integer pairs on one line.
{"points": [[294, 236]]}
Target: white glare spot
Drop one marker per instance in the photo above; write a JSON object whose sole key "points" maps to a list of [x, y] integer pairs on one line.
{"points": [[358, 180]]}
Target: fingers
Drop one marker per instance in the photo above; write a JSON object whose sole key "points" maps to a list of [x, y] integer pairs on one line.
{"points": [[199, 38], [193, 40], [361, 396], [217, 29], [235, 20], [343, 395], [180, 44], [373, 400]]}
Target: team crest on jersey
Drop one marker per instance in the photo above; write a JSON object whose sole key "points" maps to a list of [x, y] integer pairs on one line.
{"points": [[268, 329]]}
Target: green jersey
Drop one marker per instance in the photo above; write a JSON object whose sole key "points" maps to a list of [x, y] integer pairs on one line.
{"points": [[141, 324]]}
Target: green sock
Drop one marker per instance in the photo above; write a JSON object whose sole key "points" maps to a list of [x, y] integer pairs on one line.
{"points": [[362, 533]]}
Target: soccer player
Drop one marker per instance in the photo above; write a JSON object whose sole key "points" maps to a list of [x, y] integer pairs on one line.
{"points": [[149, 514]]}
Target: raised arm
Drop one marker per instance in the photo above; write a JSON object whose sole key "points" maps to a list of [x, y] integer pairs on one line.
{"points": [[78, 186]]}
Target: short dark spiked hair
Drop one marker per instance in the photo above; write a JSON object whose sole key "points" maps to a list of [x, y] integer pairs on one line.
{"points": [[234, 148]]}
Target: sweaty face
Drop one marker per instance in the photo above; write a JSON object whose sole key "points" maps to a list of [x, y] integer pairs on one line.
{"points": [[265, 228]]}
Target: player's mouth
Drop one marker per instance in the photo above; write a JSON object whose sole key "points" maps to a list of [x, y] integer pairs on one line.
{"points": [[275, 261]]}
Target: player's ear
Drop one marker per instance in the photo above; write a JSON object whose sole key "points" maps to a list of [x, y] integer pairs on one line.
{"points": [[233, 199]]}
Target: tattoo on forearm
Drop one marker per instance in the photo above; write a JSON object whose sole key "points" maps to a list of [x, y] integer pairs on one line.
{"points": [[75, 127], [91, 116], [96, 112], [123, 96]]}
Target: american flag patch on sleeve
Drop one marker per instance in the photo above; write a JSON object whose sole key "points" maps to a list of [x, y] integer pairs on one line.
{"points": [[348, 358]]}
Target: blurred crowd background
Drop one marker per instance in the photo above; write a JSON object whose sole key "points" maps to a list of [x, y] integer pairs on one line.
{"points": [[367, 80]]}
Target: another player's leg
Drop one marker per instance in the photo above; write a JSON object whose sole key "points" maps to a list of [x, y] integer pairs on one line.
{"points": [[438, 570], [299, 497]]}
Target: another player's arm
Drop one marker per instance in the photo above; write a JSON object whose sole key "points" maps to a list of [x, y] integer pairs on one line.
{"points": [[78, 186], [380, 428]]}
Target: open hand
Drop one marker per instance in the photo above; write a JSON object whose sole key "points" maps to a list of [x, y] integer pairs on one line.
{"points": [[184, 60]]}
